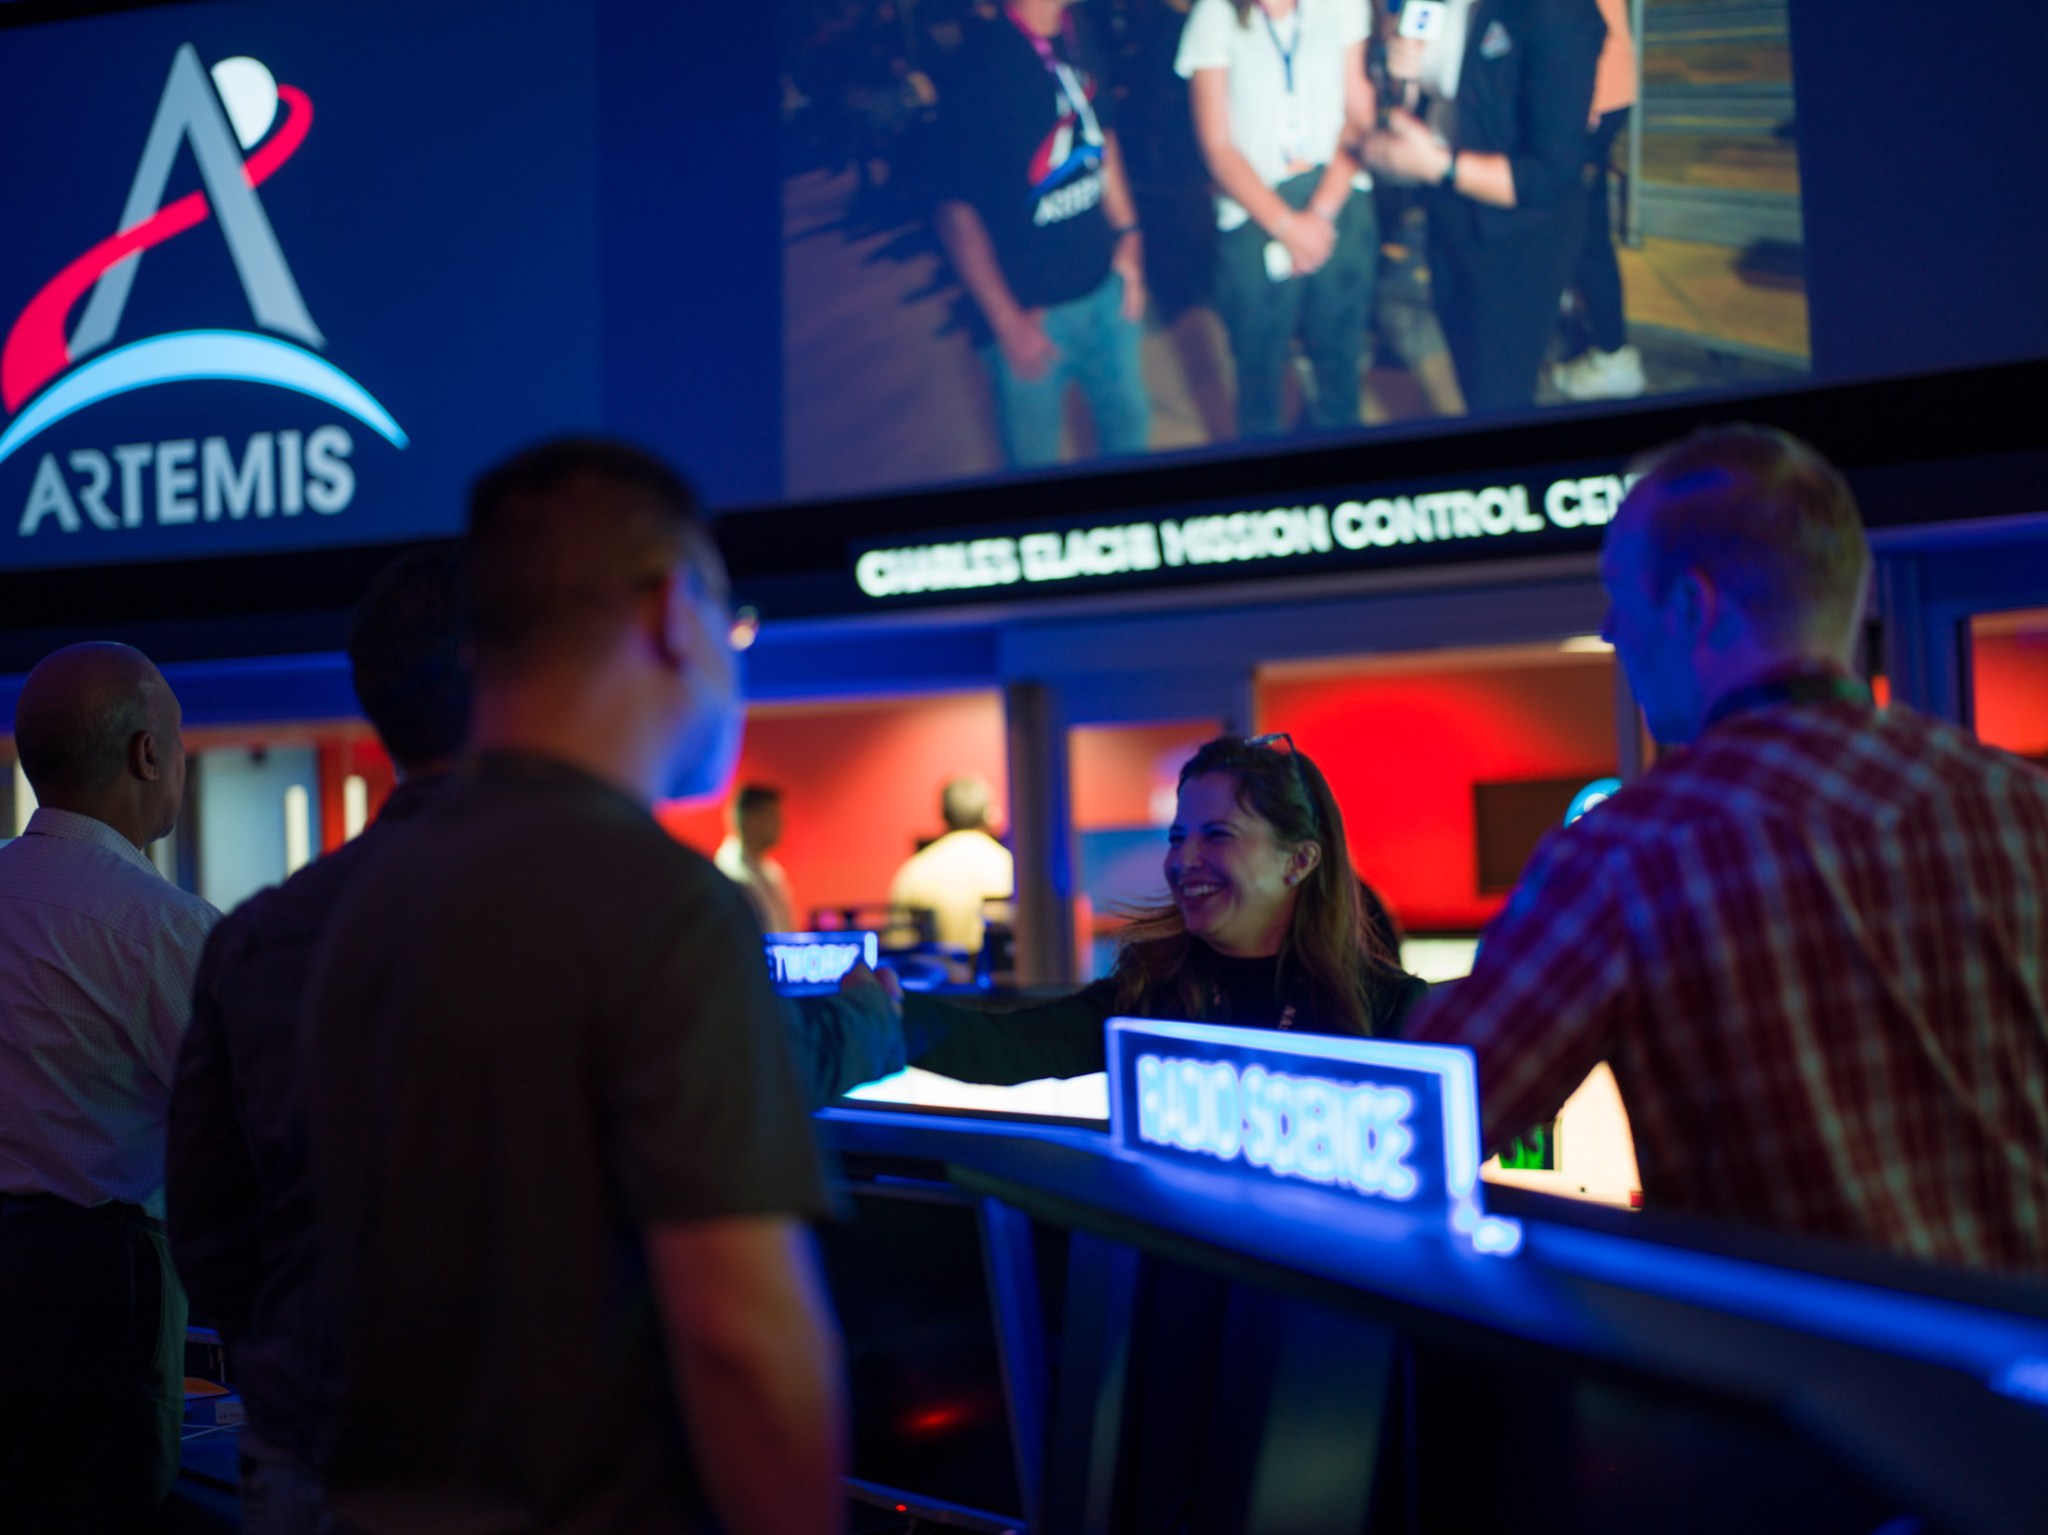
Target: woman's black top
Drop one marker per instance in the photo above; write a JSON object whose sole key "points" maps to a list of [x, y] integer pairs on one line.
{"points": [[1065, 1038]]}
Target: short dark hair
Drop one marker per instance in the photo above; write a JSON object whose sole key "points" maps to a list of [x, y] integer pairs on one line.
{"points": [[755, 796], [560, 536], [405, 652], [1766, 516]]}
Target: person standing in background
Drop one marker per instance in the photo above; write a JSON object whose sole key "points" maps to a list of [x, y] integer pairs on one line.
{"points": [[745, 856], [97, 954], [1501, 156], [240, 1194], [1278, 90], [955, 874], [1036, 216], [1608, 367]]}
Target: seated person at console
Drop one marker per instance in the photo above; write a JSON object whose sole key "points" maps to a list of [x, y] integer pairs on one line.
{"points": [[1265, 928], [1811, 944]]}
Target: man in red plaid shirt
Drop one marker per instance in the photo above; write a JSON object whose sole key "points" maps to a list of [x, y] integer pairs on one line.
{"points": [[1813, 940]]}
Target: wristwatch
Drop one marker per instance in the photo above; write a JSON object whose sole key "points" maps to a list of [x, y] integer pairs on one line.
{"points": [[1449, 179]]}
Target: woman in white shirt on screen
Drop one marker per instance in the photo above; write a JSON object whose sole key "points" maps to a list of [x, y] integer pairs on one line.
{"points": [[1278, 89]]}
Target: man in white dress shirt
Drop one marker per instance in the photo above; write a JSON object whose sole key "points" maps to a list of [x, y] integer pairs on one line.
{"points": [[97, 954]]}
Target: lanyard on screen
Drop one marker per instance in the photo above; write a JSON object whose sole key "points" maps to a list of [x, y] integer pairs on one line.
{"points": [[1060, 70], [1288, 51]]}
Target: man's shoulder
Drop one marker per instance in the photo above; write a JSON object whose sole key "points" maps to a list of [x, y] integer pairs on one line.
{"points": [[1922, 733], [1950, 765], [185, 908], [1812, 765], [629, 845], [1896, 756], [984, 852], [957, 850], [912, 867], [99, 887], [187, 917], [301, 905], [554, 833]]}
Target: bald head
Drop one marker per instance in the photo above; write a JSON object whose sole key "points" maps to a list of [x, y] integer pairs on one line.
{"points": [[97, 730]]}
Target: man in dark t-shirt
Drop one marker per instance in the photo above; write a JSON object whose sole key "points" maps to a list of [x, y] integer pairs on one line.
{"points": [[561, 1157], [236, 1171], [1036, 216]]}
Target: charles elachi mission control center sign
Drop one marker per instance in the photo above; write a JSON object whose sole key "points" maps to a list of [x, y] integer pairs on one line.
{"points": [[1343, 531]]}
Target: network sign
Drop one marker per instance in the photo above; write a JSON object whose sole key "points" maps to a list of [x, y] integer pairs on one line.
{"points": [[800, 962], [1379, 1120], [244, 300]]}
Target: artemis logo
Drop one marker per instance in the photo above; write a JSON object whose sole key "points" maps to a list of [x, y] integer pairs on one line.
{"points": [[47, 375]]}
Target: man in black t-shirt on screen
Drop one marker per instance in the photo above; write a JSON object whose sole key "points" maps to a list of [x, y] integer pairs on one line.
{"points": [[561, 1159], [1036, 216]]}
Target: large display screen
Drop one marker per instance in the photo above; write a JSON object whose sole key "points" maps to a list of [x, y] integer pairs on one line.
{"points": [[281, 276], [1009, 241], [1695, 205]]}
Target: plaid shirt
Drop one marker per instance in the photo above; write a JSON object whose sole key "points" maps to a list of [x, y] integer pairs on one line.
{"points": [[1814, 949]]}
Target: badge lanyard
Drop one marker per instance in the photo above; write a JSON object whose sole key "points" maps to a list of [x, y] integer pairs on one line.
{"points": [[1292, 132], [1812, 688], [1062, 72]]}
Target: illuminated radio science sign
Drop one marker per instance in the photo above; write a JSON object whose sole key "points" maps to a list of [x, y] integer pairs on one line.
{"points": [[1386, 1121], [64, 353]]}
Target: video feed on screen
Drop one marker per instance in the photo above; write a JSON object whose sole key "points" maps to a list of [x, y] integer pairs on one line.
{"points": [[1021, 234]]}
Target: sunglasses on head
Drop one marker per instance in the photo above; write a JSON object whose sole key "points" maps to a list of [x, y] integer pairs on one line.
{"points": [[1280, 741]]}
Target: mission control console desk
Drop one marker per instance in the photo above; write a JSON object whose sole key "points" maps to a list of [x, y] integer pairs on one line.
{"points": [[1270, 1296]]}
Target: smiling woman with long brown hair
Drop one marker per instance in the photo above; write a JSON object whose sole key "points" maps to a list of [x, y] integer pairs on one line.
{"points": [[1264, 925]]}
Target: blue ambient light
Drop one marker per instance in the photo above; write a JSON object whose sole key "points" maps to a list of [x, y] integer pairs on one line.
{"points": [[2026, 1380], [1598, 792], [2009, 1351], [1384, 1120]]}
